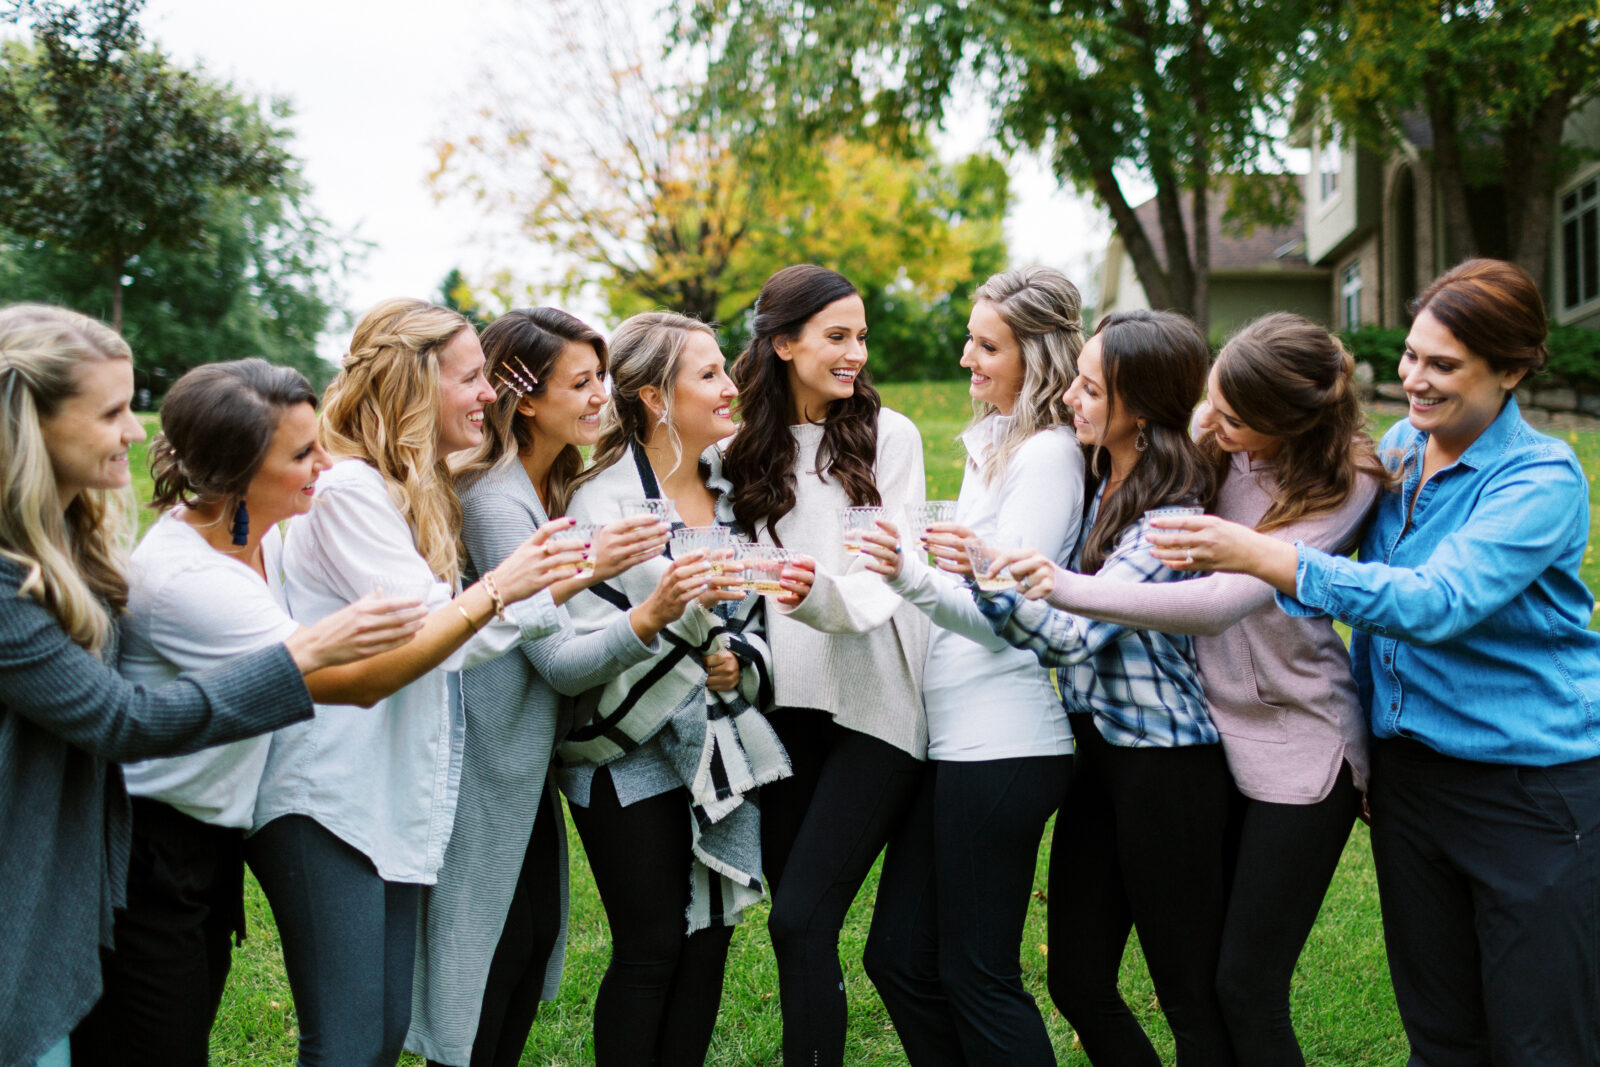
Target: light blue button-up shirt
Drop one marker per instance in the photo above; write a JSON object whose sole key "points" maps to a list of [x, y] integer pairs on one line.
{"points": [[1471, 623]]}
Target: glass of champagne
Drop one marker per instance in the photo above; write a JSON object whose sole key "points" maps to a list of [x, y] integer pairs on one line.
{"points": [[578, 537], [763, 568], [921, 516], [857, 521], [981, 556], [657, 507]]}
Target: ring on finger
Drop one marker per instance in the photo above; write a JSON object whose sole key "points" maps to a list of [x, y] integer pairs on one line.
{"points": [[1188, 555]]}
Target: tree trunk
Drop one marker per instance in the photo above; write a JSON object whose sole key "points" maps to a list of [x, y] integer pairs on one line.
{"points": [[114, 278], [1529, 169], [1152, 276], [1461, 241], [1199, 61]]}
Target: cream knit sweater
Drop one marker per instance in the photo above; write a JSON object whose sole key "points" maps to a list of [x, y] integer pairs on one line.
{"points": [[852, 648]]}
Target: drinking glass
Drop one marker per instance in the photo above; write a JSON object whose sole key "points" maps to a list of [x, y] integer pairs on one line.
{"points": [[1174, 512], [921, 516], [579, 536], [659, 508], [856, 521], [763, 568], [981, 556]]}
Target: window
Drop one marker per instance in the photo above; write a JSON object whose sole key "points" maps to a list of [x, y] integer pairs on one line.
{"points": [[1329, 162], [1580, 243], [1350, 296]]}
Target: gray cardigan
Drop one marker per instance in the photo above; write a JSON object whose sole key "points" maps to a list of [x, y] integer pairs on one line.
{"points": [[513, 712], [66, 719]]}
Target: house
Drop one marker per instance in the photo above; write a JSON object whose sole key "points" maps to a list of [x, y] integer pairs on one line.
{"points": [[1372, 222], [1252, 273]]}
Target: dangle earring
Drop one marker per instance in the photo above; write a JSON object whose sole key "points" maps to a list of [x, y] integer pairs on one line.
{"points": [[241, 525], [1140, 443]]}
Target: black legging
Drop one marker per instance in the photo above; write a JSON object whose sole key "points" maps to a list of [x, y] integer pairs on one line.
{"points": [[1139, 842], [516, 973], [658, 1000], [945, 945], [1286, 856], [821, 830]]}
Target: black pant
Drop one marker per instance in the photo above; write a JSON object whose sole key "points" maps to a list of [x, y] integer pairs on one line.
{"points": [[821, 830], [349, 942], [516, 972], [658, 1000], [1285, 858], [945, 945], [1139, 843], [163, 983], [1489, 878]]}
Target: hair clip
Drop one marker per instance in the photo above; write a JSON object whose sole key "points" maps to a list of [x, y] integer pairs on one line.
{"points": [[515, 375]]}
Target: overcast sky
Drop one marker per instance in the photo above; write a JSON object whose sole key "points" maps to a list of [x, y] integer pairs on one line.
{"points": [[373, 82]]}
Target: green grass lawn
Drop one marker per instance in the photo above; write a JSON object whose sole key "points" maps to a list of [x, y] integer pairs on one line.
{"points": [[1344, 1010]]}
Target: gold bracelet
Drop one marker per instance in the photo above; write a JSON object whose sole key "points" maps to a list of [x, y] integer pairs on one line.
{"points": [[494, 595], [468, 619]]}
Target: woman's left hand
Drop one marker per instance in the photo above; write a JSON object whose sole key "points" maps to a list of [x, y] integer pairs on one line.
{"points": [[722, 671], [626, 544], [880, 550], [945, 543]]}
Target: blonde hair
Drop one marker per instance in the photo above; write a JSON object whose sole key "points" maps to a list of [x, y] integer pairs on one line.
{"points": [[1044, 312], [384, 408], [646, 350], [74, 555]]}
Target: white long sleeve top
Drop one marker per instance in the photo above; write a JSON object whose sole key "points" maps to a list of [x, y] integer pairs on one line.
{"points": [[852, 647], [986, 700], [383, 780]]}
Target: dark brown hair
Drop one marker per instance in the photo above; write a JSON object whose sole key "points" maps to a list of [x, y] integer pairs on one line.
{"points": [[520, 350], [1155, 365], [1287, 377], [1494, 309], [761, 460], [217, 423]]}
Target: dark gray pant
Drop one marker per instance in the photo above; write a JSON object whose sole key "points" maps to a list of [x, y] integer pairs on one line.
{"points": [[1489, 877], [349, 942]]}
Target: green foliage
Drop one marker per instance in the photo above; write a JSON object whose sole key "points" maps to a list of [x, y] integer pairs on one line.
{"points": [[1378, 347], [107, 149], [222, 261], [1173, 92], [455, 293]]}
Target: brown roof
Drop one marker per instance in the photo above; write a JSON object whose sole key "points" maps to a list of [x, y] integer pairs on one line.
{"points": [[1264, 248]]}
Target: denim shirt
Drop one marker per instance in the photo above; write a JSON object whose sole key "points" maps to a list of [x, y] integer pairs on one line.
{"points": [[1471, 624]]}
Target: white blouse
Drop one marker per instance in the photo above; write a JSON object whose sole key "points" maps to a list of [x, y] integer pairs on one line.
{"points": [[986, 700], [382, 780]]}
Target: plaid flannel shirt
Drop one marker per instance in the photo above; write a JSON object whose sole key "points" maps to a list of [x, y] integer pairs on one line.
{"points": [[1142, 687]]}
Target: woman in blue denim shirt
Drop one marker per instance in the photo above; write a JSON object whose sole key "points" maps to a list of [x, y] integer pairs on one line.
{"points": [[1483, 684]]}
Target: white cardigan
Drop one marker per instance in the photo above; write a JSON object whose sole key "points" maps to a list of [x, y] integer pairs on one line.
{"points": [[985, 699], [382, 780]]}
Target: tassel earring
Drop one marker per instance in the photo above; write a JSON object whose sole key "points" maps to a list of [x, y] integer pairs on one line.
{"points": [[241, 525]]}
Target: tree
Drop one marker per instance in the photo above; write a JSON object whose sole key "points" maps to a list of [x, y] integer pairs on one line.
{"points": [[593, 158], [1495, 79], [1177, 93], [108, 150]]}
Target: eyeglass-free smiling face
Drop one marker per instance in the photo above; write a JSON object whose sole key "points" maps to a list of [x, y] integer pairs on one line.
{"points": [[994, 357], [1454, 393], [463, 392], [88, 436], [825, 357], [569, 409]]}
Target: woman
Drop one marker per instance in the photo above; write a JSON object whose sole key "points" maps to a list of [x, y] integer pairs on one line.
{"points": [[848, 652], [1480, 679], [1283, 431], [66, 383], [659, 770], [353, 814], [945, 946], [1139, 840], [495, 921]]}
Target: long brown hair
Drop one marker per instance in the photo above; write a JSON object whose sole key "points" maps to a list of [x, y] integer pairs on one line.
{"points": [[384, 408], [761, 460], [1287, 377], [521, 348], [1155, 365]]}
